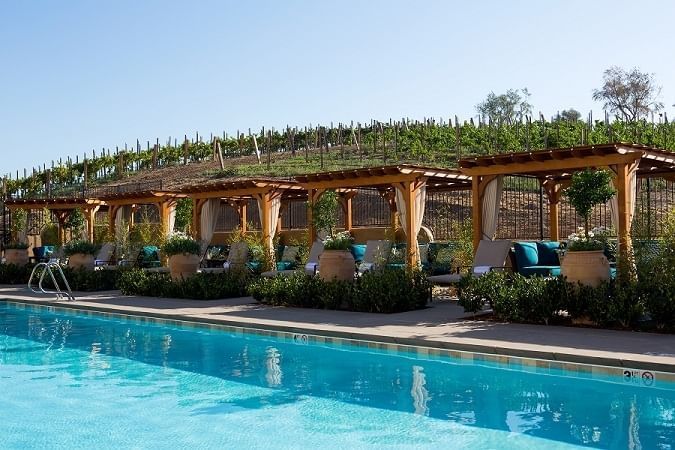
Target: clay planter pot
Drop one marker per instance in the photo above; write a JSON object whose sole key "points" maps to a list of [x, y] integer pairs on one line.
{"points": [[336, 264], [183, 266], [81, 261], [589, 268], [16, 256]]}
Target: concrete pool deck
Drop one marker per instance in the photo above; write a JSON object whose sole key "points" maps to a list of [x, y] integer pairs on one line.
{"points": [[442, 325]]}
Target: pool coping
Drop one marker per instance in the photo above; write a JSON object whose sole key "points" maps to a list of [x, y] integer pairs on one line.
{"points": [[633, 371]]}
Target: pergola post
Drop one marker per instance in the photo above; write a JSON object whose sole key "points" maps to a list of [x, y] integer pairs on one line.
{"points": [[553, 190], [165, 207], [90, 217], [476, 211], [242, 207], [622, 187], [346, 203]]}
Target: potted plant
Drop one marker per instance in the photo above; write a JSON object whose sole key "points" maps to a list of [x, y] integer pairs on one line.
{"points": [[16, 252], [584, 260], [336, 261], [183, 252], [81, 254]]}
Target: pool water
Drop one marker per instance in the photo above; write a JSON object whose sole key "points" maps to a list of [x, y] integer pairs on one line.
{"points": [[75, 381]]}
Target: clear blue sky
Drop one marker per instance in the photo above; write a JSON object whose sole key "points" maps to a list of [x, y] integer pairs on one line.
{"points": [[78, 75]]}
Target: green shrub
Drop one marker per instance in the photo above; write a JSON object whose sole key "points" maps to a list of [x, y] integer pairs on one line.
{"points": [[13, 274], [474, 292], [84, 247], [385, 291], [16, 246], [87, 280], [179, 244], [201, 286]]}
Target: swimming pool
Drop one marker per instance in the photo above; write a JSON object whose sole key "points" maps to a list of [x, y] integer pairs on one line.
{"points": [[71, 380]]}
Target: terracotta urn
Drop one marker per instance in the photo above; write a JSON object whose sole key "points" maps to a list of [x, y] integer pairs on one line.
{"points": [[81, 261], [586, 267], [16, 256], [183, 265], [336, 265]]}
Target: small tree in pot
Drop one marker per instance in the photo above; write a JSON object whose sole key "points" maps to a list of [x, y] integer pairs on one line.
{"points": [[585, 261], [183, 252], [336, 262], [16, 252], [81, 254]]}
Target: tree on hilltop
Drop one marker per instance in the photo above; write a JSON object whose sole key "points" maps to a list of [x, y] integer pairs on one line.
{"points": [[505, 108], [630, 95]]}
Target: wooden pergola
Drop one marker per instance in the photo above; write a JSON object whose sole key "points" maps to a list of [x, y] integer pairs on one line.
{"points": [[62, 207], [164, 200], [237, 192], [554, 167], [408, 180]]}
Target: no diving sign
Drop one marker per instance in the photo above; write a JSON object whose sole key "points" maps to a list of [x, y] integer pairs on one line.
{"points": [[640, 377]]}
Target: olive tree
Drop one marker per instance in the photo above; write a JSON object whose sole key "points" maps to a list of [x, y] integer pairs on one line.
{"points": [[629, 94]]}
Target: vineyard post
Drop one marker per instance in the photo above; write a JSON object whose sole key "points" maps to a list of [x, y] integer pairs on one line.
{"points": [[185, 150], [269, 149], [458, 140]]}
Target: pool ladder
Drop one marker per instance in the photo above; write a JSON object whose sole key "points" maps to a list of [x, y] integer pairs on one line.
{"points": [[48, 268]]}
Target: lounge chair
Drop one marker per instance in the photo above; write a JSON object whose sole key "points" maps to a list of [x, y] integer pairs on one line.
{"points": [[104, 256], [376, 256], [236, 258], [312, 265], [311, 268], [286, 264], [489, 256]]}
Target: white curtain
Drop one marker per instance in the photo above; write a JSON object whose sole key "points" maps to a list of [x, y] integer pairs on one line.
{"points": [[274, 214], [121, 216], [172, 219], [420, 199], [491, 199], [632, 196], [209, 219]]}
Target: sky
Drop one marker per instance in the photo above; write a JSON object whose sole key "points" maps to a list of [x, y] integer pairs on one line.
{"points": [[82, 75]]}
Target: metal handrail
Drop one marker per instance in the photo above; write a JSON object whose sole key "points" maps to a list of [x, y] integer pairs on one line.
{"points": [[47, 269]]}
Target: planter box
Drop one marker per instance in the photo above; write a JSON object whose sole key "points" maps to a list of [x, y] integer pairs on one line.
{"points": [[336, 264], [16, 256], [183, 266], [590, 267], [81, 261]]}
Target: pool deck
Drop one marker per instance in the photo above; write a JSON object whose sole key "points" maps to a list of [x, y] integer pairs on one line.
{"points": [[442, 325]]}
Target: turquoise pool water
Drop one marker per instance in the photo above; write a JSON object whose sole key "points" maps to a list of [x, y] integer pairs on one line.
{"points": [[75, 381]]}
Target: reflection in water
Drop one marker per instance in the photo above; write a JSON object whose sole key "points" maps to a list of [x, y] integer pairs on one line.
{"points": [[553, 406], [419, 393], [273, 373]]}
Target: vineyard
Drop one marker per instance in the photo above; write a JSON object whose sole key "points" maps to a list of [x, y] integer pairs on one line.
{"points": [[311, 149]]}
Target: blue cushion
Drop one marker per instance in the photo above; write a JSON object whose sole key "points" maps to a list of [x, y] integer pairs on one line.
{"points": [[526, 254], [547, 253], [285, 265], [358, 251], [529, 271]]}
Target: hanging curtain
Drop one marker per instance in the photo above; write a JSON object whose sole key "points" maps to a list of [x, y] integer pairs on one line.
{"points": [[122, 216], [632, 197], [420, 199], [209, 219], [172, 219], [274, 214], [491, 199]]}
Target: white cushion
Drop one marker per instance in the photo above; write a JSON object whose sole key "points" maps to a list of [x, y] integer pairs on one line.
{"points": [[479, 270]]}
